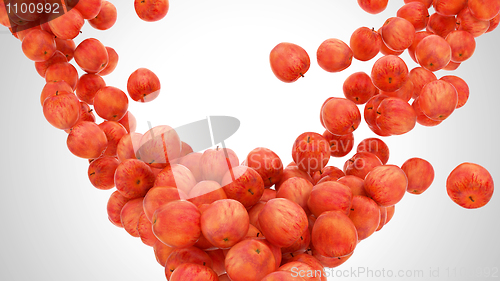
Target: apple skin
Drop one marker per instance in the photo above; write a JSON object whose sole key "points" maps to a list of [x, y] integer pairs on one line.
{"points": [[114, 133], [86, 140], [299, 246], [361, 164], [334, 235], [386, 185], [494, 23], [134, 178], [470, 185], [404, 93], [129, 122], [340, 116], [438, 100], [151, 10], [114, 207], [365, 214], [182, 234], [206, 192], [234, 227], [214, 164], [370, 110], [218, 260], [422, 119], [416, 13], [267, 163], [484, 9], [356, 184], [365, 43], [110, 103], [130, 215], [452, 66], [373, 6], [358, 88], [418, 37], [105, 18], [268, 195], [145, 230], [42, 66], [461, 87], [340, 146], [389, 73], [297, 268], [398, 33], [433, 53], [38, 46], [330, 262], [441, 25], [127, 146], [375, 146], [101, 172], [162, 252], [292, 171], [186, 255], [311, 152], [333, 55], [51, 88], [328, 171], [289, 62], [159, 196], [247, 186], [395, 116], [91, 56], [62, 110], [420, 77], [390, 213], [462, 45], [159, 146], [177, 176], [467, 22], [282, 221], [249, 260], [253, 213], [193, 272], [296, 190], [112, 62], [420, 174], [330, 196], [143, 85], [449, 7], [88, 8]]}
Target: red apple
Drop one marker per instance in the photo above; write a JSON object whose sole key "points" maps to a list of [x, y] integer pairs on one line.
{"points": [[143, 85], [470, 186], [86, 140], [160, 196], [330, 196], [296, 190], [311, 152], [375, 146], [389, 73], [215, 163], [192, 271], [395, 116], [433, 52], [398, 33], [415, 12], [358, 88], [267, 163], [133, 178], [289, 62], [334, 55], [334, 235], [159, 146], [249, 260], [190, 255], [243, 184], [462, 45], [420, 175], [461, 87], [340, 146], [438, 100], [365, 43], [365, 214], [373, 6], [386, 185], [101, 172], [340, 116]]}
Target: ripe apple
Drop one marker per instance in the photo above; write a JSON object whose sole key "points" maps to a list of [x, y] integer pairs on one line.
{"points": [[340, 116], [86, 140], [39, 46], [192, 271], [395, 116], [441, 25], [249, 260], [373, 6], [438, 100], [311, 152], [290, 172], [356, 184], [62, 71], [389, 73], [422, 119], [296, 190], [416, 13], [334, 55], [420, 77], [484, 9], [185, 231], [449, 7], [181, 256], [160, 196], [162, 252], [133, 178], [386, 185], [361, 164], [88, 85], [418, 37], [130, 215], [398, 33], [330, 196], [67, 25], [235, 226], [470, 186], [433, 52], [289, 62], [110, 103], [206, 192], [145, 230], [62, 110], [267, 163], [151, 10], [340, 146], [106, 17], [114, 207], [159, 146], [334, 235], [42, 66], [358, 88], [467, 22], [282, 221], [101, 172], [127, 146], [365, 214], [114, 132], [91, 56], [365, 43], [420, 174], [461, 87], [243, 184], [177, 176], [143, 85]]}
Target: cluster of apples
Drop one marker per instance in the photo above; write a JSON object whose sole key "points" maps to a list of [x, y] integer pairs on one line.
{"points": [[210, 217], [449, 40]]}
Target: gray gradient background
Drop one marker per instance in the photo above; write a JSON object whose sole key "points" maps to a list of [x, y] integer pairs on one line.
{"points": [[212, 59]]}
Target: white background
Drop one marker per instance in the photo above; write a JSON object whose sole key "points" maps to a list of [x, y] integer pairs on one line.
{"points": [[212, 59]]}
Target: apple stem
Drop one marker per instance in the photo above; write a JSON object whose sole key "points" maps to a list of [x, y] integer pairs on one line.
{"points": [[470, 197], [301, 75]]}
